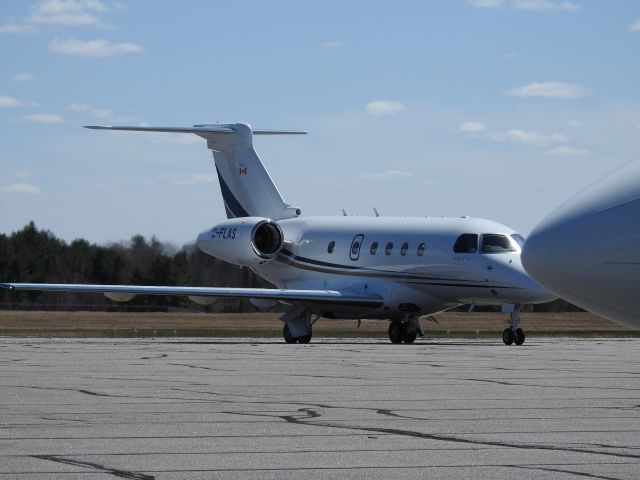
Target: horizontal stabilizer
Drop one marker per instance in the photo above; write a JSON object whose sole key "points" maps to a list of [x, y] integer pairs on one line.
{"points": [[297, 296], [205, 128], [208, 129]]}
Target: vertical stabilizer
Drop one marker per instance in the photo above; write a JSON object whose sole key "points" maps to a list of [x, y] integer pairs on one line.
{"points": [[247, 188]]}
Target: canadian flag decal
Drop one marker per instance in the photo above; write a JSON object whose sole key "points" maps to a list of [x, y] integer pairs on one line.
{"points": [[243, 170]]}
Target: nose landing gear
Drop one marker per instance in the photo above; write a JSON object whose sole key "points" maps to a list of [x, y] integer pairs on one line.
{"points": [[513, 333], [405, 331]]}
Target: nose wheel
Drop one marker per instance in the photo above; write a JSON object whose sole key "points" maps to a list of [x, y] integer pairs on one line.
{"points": [[405, 332], [513, 333]]}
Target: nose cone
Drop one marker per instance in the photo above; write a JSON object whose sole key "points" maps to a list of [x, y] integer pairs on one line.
{"points": [[546, 256], [586, 251], [529, 290]]}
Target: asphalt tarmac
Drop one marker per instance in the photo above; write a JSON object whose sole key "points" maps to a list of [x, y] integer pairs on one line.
{"points": [[260, 409]]}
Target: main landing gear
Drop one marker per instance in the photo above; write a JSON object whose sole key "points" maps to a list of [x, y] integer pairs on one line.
{"points": [[298, 325], [405, 330], [513, 333], [289, 338]]}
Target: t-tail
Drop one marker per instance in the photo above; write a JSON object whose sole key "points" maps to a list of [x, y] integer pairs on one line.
{"points": [[247, 188]]}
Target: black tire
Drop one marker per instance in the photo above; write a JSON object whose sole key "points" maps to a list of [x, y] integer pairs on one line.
{"points": [[519, 336], [409, 337], [286, 333], [507, 336], [396, 332], [304, 338]]}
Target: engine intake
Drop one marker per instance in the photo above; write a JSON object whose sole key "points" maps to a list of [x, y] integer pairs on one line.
{"points": [[246, 241], [267, 239]]}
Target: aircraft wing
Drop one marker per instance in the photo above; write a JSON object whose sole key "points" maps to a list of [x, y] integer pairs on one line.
{"points": [[294, 296]]}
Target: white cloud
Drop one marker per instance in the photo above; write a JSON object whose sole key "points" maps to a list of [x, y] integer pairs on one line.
{"points": [[471, 127], [530, 5], [546, 6], [44, 118], [485, 3], [10, 102], [101, 113], [23, 77], [569, 151], [527, 137], [78, 107], [507, 56], [55, 7], [18, 29], [380, 108], [386, 175], [193, 179], [635, 26], [93, 48], [70, 13], [332, 44], [576, 124], [22, 188], [172, 138], [549, 90], [427, 183]]}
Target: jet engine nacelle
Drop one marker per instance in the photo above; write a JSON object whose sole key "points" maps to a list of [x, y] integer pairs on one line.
{"points": [[246, 241]]}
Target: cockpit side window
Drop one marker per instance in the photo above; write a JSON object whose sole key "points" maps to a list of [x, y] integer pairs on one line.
{"points": [[466, 243], [519, 239], [496, 243]]}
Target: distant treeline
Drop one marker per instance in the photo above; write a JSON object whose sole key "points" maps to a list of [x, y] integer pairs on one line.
{"points": [[31, 255]]}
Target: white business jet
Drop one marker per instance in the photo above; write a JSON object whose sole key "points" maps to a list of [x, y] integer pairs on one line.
{"points": [[342, 267], [588, 250]]}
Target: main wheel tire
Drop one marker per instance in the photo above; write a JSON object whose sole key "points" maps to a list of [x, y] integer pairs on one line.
{"points": [[507, 336], [409, 337], [286, 333], [519, 336], [396, 332], [304, 338]]}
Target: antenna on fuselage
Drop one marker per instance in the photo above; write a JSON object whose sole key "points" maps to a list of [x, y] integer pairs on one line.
{"points": [[344, 212], [375, 210]]}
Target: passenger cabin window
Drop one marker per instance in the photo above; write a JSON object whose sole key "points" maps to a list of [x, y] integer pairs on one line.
{"points": [[421, 249], [389, 248], [331, 246], [355, 248], [374, 248], [466, 243], [404, 248], [496, 243]]}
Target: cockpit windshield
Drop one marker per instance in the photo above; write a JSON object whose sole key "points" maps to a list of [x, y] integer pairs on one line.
{"points": [[496, 243]]}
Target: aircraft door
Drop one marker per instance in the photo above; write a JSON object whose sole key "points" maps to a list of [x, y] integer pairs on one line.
{"points": [[356, 244]]}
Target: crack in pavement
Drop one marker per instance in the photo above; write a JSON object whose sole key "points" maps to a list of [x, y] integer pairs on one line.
{"points": [[162, 355], [311, 414], [560, 470], [114, 471]]}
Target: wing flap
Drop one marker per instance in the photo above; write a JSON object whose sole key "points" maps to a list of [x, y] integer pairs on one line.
{"points": [[287, 295]]}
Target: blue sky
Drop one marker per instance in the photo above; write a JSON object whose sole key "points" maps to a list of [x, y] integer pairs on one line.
{"points": [[492, 108]]}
